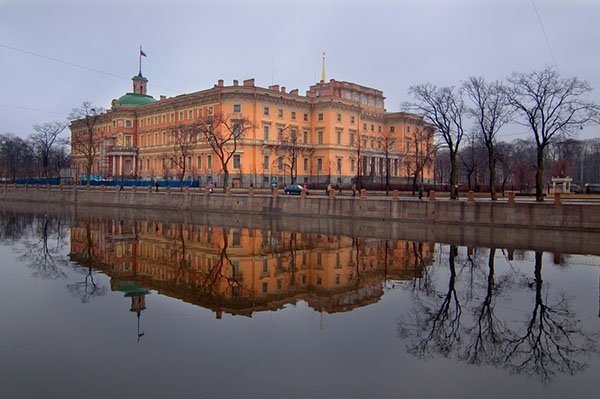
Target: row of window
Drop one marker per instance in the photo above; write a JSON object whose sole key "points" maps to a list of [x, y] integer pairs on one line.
{"points": [[369, 164], [283, 164], [180, 116], [170, 163], [280, 114]]}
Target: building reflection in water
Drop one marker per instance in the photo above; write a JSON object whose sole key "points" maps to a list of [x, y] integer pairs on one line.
{"points": [[241, 271]]}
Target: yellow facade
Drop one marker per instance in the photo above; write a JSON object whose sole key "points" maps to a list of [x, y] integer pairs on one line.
{"points": [[342, 129]]}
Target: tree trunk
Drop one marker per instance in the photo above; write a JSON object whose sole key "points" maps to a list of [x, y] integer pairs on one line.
{"points": [[293, 171], [225, 177], [414, 185], [387, 175], [492, 165], [539, 176], [181, 178], [469, 174], [45, 167], [89, 172], [453, 192]]}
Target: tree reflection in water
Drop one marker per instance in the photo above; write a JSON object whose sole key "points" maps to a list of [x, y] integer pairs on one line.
{"points": [[551, 340], [435, 328], [222, 276], [42, 251], [88, 288], [218, 273]]}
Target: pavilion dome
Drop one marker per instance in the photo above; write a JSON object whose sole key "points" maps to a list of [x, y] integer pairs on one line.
{"points": [[134, 100]]}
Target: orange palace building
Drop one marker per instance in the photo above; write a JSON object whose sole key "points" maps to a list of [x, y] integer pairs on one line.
{"points": [[337, 124]]}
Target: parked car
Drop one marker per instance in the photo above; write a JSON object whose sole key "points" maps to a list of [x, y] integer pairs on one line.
{"points": [[294, 189], [592, 188]]}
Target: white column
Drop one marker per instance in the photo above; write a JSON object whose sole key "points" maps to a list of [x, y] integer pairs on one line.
{"points": [[114, 165], [121, 165]]}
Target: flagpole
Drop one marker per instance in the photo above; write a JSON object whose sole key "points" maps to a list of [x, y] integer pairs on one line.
{"points": [[140, 60]]}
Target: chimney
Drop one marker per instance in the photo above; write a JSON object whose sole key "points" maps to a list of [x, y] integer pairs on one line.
{"points": [[294, 92], [283, 89], [274, 87], [220, 83], [235, 82], [249, 82], [163, 97]]}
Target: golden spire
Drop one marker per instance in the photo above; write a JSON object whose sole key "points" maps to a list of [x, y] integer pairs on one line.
{"points": [[323, 77]]}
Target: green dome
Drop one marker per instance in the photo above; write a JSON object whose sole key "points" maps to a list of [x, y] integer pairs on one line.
{"points": [[133, 100]]}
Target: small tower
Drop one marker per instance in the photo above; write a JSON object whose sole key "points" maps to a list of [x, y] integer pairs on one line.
{"points": [[137, 294], [139, 84]]}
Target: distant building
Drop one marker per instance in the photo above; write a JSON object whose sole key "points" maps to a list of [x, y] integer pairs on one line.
{"points": [[341, 130]]}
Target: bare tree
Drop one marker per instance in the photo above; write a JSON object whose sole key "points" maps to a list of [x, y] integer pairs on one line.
{"points": [[549, 105], [583, 155], [185, 138], [442, 107], [43, 141], [419, 154], [16, 157], [223, 134], [87, 141], [471, 158], [524, 174], [289, 144], [330, 171], [491, 111], [388, 146], [504, 155], [442, 167], [59, 158], [358, 142]]}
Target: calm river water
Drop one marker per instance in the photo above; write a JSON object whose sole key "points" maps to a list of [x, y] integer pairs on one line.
{"points": [[100, 308]]}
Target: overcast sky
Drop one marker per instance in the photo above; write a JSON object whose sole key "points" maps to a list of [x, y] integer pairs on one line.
{"points": [[388, 45]]}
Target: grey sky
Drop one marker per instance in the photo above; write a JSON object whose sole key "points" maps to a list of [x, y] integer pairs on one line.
{"points": [[388, 45]]}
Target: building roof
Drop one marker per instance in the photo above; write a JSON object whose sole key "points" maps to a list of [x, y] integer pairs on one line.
{"points": [[134, 99], [139, 77]]}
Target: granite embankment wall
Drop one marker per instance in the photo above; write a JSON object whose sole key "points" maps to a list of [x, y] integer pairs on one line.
{"points": [[488, 236], [568, 217]]}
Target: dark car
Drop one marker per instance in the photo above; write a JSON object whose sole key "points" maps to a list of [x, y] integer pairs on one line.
{"points": [[592, 188], [294, 189]]}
